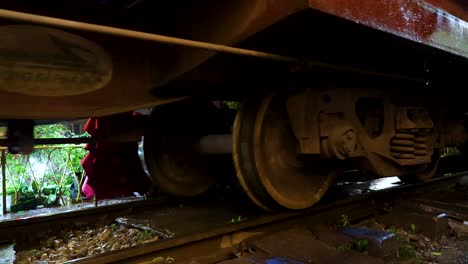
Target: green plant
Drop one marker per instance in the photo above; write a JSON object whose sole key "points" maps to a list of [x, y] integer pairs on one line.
{"points": [[406, 250], [361, 245], [412, 228], [230, 104], [238, 219], [146, 235], [344, 221], [48, 173]]}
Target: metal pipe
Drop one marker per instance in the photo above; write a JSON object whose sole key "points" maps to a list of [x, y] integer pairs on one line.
{"points": [[54, 141], [211, 144], [215, 144], [64, 23], [4, 207], [77, 141]]}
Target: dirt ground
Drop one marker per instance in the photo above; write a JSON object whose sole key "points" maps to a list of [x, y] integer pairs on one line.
{"points": [[415, 247]]}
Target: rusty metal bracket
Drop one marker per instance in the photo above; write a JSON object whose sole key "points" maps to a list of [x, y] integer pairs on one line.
{"points": [[338, 137], [317, 132]]}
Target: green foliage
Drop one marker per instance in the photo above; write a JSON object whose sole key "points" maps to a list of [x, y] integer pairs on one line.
{"points": [[24, 204], [238, 219], [47, 174], [361, 245], [10, 190], [412, 229], [393, 230], [406, 250], [146, 235], [230, 104], [50, 131], [344, 220]]}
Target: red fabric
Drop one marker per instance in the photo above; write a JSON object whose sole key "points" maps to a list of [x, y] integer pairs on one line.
{"points": [[113, 169]]}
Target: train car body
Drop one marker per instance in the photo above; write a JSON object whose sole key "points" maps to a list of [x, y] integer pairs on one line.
{"points": [[321, 83]]}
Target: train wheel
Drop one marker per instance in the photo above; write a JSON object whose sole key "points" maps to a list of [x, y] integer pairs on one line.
{"points": [[268, 168], [171, 158], [427, 174]]}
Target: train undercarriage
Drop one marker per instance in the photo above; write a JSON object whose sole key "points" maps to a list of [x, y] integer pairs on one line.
{"points": [[289, 147], [380, 93]]}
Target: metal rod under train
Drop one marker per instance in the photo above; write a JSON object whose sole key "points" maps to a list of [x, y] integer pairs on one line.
{"points": [[70, 24], [210, 144]]}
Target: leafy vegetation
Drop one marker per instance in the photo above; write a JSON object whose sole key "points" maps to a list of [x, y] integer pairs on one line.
{"points": [[361, 245], [406, 250], [238, 219], [344, 220], [448, 151], [145, 235], [46, 176], [230, 104]]}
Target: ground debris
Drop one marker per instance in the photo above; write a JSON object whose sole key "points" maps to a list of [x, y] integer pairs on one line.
{"points": [[80, 243], [459, 229], [415, 247]]}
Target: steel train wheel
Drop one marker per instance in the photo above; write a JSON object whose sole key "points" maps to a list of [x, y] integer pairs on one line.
{"points": [[268, 168], [171, 158]]}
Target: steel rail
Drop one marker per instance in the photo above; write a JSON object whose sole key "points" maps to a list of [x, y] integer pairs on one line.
{"points": [[182, 243], [82, 26]]}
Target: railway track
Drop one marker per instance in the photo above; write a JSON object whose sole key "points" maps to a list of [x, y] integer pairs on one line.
{"points": [[206, 222], [222, 242], [200, 233]]}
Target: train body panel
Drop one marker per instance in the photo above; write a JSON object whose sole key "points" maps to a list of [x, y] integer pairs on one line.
{"points": [[155, 66], [438, 23], [138, 66]]}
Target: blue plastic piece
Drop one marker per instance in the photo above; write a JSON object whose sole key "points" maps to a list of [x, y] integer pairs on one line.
{"points": [[277, 260], [442, 215], [374, 234]]}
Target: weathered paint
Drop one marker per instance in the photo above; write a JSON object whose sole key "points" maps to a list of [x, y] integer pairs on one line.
{"points": [[439, 23], [139, 67], [57, 64]]}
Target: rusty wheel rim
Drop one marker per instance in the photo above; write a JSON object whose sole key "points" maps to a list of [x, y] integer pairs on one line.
{"points": [[273, 175], [172, 162], [243, 156]]}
